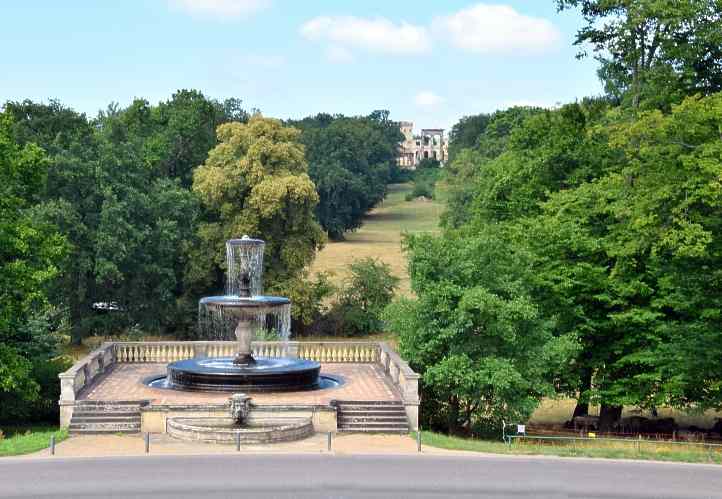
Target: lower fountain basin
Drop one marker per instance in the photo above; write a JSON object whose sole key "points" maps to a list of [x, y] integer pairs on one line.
{"points": [[253, 430], [221, 374]]}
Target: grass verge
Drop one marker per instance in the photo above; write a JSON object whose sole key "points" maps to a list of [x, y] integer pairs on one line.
{"points": [[647, 450], [24, 440]]}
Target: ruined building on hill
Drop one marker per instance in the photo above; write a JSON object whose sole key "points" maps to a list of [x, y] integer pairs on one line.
{"points": [[429, 144]]}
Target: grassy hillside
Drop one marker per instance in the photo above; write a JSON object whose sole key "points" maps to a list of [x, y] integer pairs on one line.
{"points": [[380, 235]]}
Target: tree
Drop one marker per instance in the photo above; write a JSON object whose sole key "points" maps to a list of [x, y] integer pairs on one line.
{"points": [[31, 253], [653, 52], [366, 291], [485, 351], [626, 261], [127, 224], [472, 165], [350, 161], [466, 132], [255, 182]]}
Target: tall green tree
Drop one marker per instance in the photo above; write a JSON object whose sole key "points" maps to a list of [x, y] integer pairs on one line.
{"points": [[351, 160], [255, 182], [485, 350], [126, 222], [653, 52], [31, 254]]}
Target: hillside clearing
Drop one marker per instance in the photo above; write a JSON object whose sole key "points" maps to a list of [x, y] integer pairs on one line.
{"points": [[380, 236]]}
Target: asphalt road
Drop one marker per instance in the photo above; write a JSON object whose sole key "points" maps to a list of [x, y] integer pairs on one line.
{"points": [[329, 476]]}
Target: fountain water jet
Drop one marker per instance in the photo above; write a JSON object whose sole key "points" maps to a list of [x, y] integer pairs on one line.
{"points": [[244, 314]]}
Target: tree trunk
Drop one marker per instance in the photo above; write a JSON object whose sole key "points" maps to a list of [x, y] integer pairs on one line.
{"points": [[453, 417], [582, 407], [609, 416]]}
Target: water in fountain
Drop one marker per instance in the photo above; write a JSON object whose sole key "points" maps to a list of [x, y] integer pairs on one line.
{"points": [[244, 258], [267, 317], [244, 314], [218, 317]]}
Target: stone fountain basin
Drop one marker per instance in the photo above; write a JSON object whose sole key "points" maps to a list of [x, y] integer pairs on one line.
{"points": [[263, 430]]}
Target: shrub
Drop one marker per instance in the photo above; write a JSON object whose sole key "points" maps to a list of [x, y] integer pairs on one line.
{"points": [[359, 303], [365, 293]]}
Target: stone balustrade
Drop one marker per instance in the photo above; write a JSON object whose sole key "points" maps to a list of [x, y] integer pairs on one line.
{"points": [[361, 352], [84, 372], [404, 378]]}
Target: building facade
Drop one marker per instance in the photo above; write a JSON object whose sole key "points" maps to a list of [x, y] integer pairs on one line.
{"points": [[429, 144]]}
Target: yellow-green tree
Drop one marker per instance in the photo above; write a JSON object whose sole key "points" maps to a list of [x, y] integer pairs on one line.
{"points": [[255, 182]]}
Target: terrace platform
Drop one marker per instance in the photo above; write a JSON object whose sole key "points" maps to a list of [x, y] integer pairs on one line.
{"points": [[113, 378]]}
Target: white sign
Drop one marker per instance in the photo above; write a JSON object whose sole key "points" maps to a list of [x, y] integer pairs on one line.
{"points": [[521, 429]]}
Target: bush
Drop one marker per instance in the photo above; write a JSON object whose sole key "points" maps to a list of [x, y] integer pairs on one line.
{"points": [[43, 407], [360, 301], [425, 177]]}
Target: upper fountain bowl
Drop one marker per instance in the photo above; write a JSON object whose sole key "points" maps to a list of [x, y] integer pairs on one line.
{"points": [[228, 302]]}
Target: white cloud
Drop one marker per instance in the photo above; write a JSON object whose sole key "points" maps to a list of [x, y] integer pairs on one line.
{"points": [[427, 99], [485, 28], [377, 35], [221, 8], [338, 54]]}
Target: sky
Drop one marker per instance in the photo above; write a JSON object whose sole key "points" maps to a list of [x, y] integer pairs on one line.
{"points": [[430, 62]]}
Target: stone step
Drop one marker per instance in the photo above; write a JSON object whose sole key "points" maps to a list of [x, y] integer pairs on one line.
{"points": [[400, 431], [373, 419], [372, 412], [105, 426], [101, 409], [375, 423], [101, 431], [104, 419], [108, 402], [371, 408], [83, 412]]}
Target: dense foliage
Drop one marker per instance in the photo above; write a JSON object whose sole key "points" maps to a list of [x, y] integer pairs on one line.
{"points": [[605, 215], [351, 160], [255, 181], [486, 351], [115, 225], [356, 306], [31, 254]]}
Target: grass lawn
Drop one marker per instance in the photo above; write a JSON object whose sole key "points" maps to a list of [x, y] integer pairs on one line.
{"points": [[599, 449], [380, 235], [27, 439]]}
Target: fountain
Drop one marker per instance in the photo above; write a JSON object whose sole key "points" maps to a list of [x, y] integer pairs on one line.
{"points": [[240, 427], [244, 314]]}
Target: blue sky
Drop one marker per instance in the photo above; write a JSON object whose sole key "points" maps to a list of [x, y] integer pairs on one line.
{"points": [[426, 61]]}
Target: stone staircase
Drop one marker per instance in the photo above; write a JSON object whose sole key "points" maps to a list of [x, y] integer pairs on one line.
{"points": [[371, 416], [97, 417]]}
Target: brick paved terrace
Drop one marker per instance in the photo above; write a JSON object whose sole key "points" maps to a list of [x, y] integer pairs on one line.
{"points": [[125, 382]]}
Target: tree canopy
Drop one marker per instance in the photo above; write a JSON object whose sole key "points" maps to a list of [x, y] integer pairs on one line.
{"points": [[351, 160]]}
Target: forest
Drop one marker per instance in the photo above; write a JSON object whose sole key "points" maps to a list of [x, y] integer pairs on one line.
{"points": [[582, 248], [116, 224]]}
